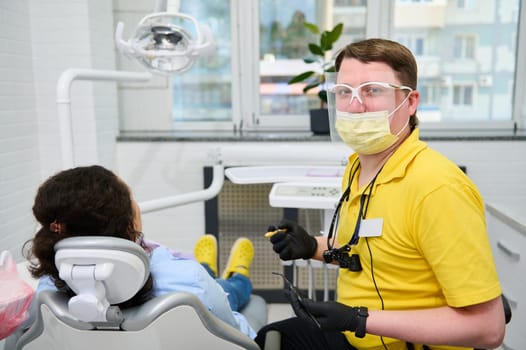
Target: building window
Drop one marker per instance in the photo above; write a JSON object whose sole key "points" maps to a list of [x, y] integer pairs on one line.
{"points": [[453, 57], [464, 47], [466, 4], [203, 95], [429, 95], [463, 95], [413, 42], [262, 43], [283, 44]]}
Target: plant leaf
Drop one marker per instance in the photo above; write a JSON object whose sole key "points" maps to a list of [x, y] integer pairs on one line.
{"points": [[336, 32], [316, 50], [312, 27], [323, 95], [328, 38], [311, 86], [301, 77], [325, 41]]}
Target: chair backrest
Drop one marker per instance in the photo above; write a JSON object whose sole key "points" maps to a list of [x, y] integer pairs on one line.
{"points": [[94, 267], [102, 271]]}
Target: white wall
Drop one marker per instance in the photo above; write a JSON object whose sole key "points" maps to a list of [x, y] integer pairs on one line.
{"points": [[19, 151], [39, 39], [158, 169], [74, 34], [143, 106]]}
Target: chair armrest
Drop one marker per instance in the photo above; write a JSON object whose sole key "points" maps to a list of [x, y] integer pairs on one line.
{"points": [[256, 312], [141, 316]]}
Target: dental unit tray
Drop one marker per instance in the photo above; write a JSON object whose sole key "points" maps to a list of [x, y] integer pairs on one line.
{"points": [[307, 195], [277, 173]]}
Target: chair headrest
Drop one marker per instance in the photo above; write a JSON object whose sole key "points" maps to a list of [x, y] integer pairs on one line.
{"points": [[121, 265]]}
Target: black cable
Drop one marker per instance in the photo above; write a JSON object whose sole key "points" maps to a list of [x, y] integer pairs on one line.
{"points": [[361, 215], [345, 197], [372, 274], [375, 285]]}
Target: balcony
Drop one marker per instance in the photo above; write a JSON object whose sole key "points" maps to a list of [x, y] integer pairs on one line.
{"points": [[428, 14]]}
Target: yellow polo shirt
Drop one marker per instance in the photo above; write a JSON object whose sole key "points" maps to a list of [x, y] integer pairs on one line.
{"points": [[433, 249]]}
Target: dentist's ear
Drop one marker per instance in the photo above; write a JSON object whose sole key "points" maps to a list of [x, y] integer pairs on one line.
{"points": [[413, 101]]}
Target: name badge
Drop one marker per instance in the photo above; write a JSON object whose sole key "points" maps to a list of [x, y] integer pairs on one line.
{"points": [[371, 227]]}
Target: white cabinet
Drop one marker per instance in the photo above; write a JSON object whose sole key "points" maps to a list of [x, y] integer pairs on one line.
{"points": [[508, 242]]}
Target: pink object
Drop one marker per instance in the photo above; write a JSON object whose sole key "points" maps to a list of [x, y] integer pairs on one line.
{"points": [[15, 296]]}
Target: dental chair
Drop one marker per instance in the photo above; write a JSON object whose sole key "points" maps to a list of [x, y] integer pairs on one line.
{"points": [[104, 271]]}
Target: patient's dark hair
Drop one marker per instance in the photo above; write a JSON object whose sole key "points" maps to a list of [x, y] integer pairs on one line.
{"points": [[83, 201]]}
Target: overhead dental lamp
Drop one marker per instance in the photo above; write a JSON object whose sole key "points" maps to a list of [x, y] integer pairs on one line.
{"points": [[164, 47]]}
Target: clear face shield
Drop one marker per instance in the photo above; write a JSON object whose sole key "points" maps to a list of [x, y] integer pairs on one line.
{"points": [[367, 108], [165, 47]]}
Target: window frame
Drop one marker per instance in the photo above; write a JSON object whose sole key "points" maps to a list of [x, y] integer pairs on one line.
{"points": [[462, 89], [251, 120], [466, 4], [465, 39], [519, 96], [414, 42], [380, 23]]}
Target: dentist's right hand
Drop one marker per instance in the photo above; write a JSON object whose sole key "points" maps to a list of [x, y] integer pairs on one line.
{"points": [[294, 243]]}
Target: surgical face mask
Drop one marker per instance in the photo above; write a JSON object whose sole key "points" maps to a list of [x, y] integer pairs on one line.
{"points": [[368, 132]]}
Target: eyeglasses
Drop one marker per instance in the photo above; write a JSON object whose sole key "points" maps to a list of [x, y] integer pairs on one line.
{"points": [[369, 93]]}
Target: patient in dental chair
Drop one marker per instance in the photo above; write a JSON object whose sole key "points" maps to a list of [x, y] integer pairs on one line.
{"points": [[91, 201]]}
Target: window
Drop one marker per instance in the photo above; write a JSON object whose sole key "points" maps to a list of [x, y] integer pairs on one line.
{"points": [[283, 45], [202, 97], [464, 47], [462, 59], [415, 1], [463, 95], [466, 59], [429, 103], [414, 43], [466, 4]]}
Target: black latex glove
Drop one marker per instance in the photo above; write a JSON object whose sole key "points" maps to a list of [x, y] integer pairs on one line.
{"points": [[296, 298], [294, 243], [335, 316]]}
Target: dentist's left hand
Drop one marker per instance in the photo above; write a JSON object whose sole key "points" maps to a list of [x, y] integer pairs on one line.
{"points": [[335, 316]]}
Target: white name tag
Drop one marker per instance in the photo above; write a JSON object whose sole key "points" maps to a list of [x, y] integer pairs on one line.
{"points": [[371, 227]]}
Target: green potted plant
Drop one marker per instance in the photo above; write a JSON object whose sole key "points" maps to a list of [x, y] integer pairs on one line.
{"points": [[319, 117]]}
